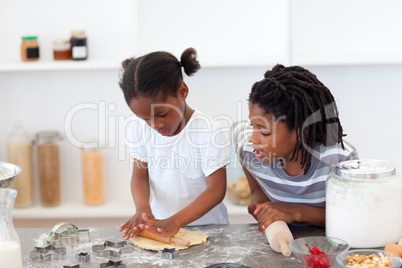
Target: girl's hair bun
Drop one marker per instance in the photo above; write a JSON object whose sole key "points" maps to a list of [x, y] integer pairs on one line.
{"points": [[189, 61], [126, 62]]}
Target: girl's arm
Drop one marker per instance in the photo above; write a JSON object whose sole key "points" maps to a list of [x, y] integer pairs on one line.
{"points": [[212, 196], [140, 191], [266, 212]]}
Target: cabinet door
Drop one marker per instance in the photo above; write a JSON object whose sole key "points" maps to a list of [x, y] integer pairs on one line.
{"points": [[224, 32], [346, 32]]}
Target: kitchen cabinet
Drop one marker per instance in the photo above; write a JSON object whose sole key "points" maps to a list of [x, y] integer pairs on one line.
{"points": [[346, 32]]}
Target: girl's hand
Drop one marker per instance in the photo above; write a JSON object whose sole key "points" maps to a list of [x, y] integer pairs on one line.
{"points": [[134, 225], [167, 227], [268, 212]]}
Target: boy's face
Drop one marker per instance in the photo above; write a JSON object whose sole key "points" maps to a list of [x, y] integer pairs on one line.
{"points": [[271, 138], [165, 116]]}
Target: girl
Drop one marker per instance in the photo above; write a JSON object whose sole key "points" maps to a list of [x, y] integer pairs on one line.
{"points": [[179, 152], [295, 140]]}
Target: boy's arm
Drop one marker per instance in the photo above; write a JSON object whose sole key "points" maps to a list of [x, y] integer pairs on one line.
{"points": [[257, 195], [207, 200], [266, 212], [140, 191]]}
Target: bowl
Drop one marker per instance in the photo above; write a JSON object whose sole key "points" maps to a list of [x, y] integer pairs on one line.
{"points": [[8, 174], [315, 258], [342, 259]]}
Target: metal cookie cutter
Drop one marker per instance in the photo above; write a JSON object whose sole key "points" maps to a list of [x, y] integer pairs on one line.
{"points": [[70, 237], [83, 257], [125, 247], [113, 264], [71, 266], [48, 253], [168, 253]]}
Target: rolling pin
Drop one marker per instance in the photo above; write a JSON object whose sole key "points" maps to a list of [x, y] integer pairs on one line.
{"points": [[164, 239], [279, 236]]}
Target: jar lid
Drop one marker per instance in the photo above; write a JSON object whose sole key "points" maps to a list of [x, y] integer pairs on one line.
{"points": [[61, 42], [89, 147], [365, 169], [29, 37], [78, 32], [48, 136]]}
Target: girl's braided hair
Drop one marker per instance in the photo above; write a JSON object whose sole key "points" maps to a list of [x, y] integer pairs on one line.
{"points": [[307, 106], [157, 74]]}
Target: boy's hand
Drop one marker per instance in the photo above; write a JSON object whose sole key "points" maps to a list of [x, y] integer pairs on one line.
{"points": [[267, 213], [134, 225], [167, 227]]}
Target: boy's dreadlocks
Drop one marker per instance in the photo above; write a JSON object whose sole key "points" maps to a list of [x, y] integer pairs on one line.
{"points": [[306, 105]]}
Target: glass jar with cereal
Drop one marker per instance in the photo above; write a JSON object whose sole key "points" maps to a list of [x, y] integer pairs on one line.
{"points": [[48, 160]]}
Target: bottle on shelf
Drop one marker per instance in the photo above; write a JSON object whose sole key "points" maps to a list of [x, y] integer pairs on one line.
{"points": [[79, 49], [30, 48], [48, 160], [61, 49], [19, 152]]}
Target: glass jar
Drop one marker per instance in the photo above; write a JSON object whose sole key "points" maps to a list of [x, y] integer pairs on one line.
{"points": [[30, 48], [48, 160], [10, 245], [79, 50], [363, 205], [61, 49], [92, 167], [19, 151]]}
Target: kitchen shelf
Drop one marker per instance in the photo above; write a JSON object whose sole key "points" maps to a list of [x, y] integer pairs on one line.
{"points": [[74, 210], [108, 210], [114, 65], [51, 65]]}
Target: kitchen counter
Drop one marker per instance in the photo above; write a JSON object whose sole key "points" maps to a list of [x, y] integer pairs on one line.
{"points": [[233, 243]]}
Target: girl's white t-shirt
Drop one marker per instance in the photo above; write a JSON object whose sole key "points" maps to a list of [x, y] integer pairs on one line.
{"points": [[178, 165]]}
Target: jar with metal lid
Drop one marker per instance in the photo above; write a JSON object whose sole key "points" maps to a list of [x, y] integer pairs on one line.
{"points": [[29, 48], [48, 160], [364, 203], [79, 49], [61, 49], [92, 167]]}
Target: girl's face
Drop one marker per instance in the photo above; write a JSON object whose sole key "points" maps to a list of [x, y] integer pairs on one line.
{"points": [[168, 117], [271, 138]]}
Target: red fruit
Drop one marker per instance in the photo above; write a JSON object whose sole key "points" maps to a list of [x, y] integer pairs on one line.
{"points": [[309, 258], [317, 262]]}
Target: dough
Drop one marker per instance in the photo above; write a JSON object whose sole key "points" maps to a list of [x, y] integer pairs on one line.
{"points": [[194, 237]]}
